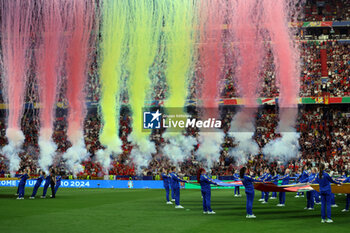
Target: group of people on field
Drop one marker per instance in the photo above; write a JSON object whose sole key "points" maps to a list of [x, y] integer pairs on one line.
{"points": [[313, 175], [52, 179]]}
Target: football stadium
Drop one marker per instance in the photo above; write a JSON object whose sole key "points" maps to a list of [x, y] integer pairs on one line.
{"points": [[174, 116]]}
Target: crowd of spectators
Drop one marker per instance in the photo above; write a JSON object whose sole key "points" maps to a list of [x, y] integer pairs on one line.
{"points": [[312, 84], [326, 126], [327, 10], [338, 83]]}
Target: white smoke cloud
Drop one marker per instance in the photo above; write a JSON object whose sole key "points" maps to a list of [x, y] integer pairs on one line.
{"points": [[242, 129], [179, 146], [13, 148], [210, 147], [47, 149], [76, 154], [246, 147], [142, 151], [104, 157], [286, 147]]}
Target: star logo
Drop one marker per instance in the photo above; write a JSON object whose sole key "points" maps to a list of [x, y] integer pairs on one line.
{"points": [[156, 115], [151, 120]]}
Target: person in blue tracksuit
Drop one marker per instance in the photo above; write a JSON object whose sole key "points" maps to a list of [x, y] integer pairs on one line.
{"points": [[267, 178], [37, 184], [50, 180], [205, 183], [303, 177], [22, 183], [316, 195], [174, 183], [317, 198], [261, 177], [58, 183], [236, 178], [46, 185], [274, 179], [166, 183], [333, 201], [172, 190], [282, 195], [297, 176], [347, 180], [343, 175], [310, 194], [324, 180], [247, 182]]}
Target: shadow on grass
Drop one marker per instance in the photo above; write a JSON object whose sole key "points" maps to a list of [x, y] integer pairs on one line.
{"points": [[8, 196]]}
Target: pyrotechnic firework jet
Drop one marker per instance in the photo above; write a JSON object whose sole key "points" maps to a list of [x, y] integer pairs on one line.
{"points": [[277, 16], [49, 58], [79, 18], [16, 23], [114, 18], [245, 24], [180, 19], [144, 28], [211, 17]]}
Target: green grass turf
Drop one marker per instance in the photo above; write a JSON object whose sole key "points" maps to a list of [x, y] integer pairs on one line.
{"points": [[115, 210]]}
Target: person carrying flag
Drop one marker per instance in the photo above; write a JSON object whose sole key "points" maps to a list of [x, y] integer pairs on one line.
{"points": [[275, 180], [282, 195], [175, 184], [58, 183], [22, 183], [303, 177], [267, 178], [247, 182], [236, 178], [347, 180], [166, 183], [205, 183], [261, 177], [324, 180], [37, 184]]}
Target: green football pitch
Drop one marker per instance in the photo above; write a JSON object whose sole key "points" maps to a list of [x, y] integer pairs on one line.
{"points": [[121, 210]]}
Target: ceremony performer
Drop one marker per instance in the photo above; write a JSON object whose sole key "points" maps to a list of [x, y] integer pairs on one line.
{"points": [[50, 180], [303, 177], [21, 186], [175, 184], [261, 177], [267, 178], [249, 190], [166, 183], [310, 194], [236, 178], [205, 183], [347, 180], [37, 184], [285, 181], [58, 183], [324, 180], [275, 180]]}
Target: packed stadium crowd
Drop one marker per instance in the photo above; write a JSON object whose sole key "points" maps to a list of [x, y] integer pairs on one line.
{"points": [[329, 10], [324, 126], [321, 125]]}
